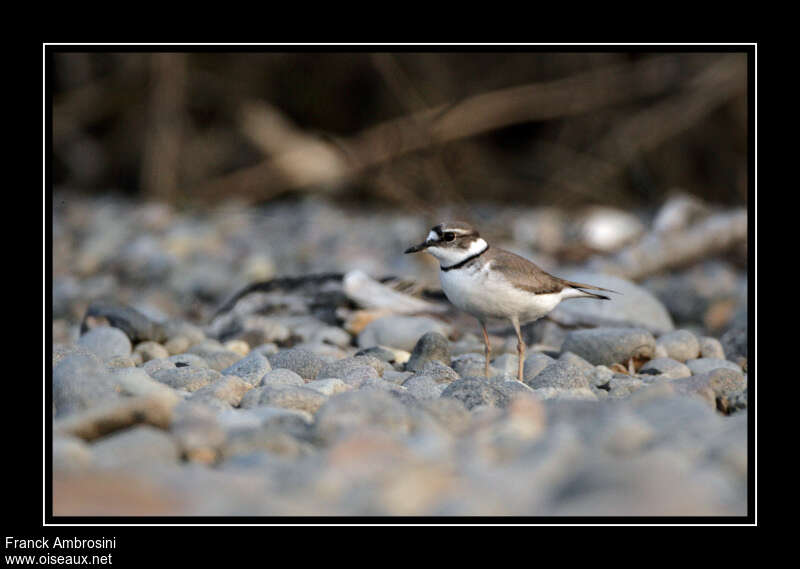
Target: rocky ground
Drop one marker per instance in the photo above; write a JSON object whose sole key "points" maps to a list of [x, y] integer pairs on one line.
{"points": [[352, 394]]}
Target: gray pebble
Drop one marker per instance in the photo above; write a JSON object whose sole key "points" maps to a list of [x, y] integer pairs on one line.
{"points": [[356, 410], [80, 382], [608, 346], [424, 387], [431, 347], [473, 392], [472, 365], [188, 378], [666, 368], [303, 362], [135, 447], [535, 363], [281, 377], [288, 397], [106, 342], [218, 358], [328, 386], [399, 331], [680, 345], [150, 350], [704, 365], [353, 371], [227, 388], [569, 371], [251, 368]]}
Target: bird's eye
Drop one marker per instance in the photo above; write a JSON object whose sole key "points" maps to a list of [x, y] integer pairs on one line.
{"points": [[449, 236]]}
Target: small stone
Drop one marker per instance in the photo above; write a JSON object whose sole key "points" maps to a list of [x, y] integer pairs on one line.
{"points": [[228, 388], [135, 325], [118, 362], [607, 346], [396, 377], [399, 331], [734, 341], [510, 387], [177, 345], [357, 410], [666, 368], [188, 378], [135, 447], [136, 381], [473, 392], [569, 371], [431, 347], [472, 365], [62, 350], [384, 354], [267, 349], [80, 382], [353, 371], [197, 432], [250, 368], [622, 386], [288, 397], [449, 413], [507, 365], [303, 362], [439, 372], [424, 387], [106, 342], [150, 350], [281, 377], [570, 394], [240, 347], [705, 365], [218, 358], [680, 345], [330, 386], [535, 363], [711, 348]]}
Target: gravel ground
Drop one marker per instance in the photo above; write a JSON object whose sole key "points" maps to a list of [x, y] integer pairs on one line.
{"points": [[311, 397]]}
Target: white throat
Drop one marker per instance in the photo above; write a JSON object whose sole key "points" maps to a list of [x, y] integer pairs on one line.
{"points": [[451, 256]]}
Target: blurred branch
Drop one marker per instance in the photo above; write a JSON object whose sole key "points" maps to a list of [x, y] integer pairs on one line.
{"points": [[722, 80], [310, 161], [163, 138], [659, 252]]}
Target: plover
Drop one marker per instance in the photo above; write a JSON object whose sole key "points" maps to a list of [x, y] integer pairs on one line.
{"points": [[489, 282]]}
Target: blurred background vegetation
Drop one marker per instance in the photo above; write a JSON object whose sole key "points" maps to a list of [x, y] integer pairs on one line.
{"points": [[411, 130]]}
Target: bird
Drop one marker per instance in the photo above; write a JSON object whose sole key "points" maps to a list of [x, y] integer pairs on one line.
{"points": [[490, 282]]}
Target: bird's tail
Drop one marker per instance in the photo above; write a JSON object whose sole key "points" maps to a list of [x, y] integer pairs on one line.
{"points": [[581, 286]]}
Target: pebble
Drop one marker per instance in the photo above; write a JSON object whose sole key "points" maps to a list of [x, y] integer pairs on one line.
{"points": [[281, 377], [734, 341], [106, 342], [569, 371], [472, 365], [424, 387], [217, 357], [177, 345], [303, 362], [353, 371], [607, 346], [228, 388], [376, 409], [80, 382], [189, 378], [704, 365], [251, 368], [431, 347], [137, 447], [150, 350], [711, 348], [534, 363], [439, 372], [330, 386], [666, 368], [288, 397], [237, 346], [401, 332], [473, 392], [680, 345]]}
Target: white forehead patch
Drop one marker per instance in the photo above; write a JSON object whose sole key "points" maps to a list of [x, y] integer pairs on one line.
{"points": [[432, 236]]}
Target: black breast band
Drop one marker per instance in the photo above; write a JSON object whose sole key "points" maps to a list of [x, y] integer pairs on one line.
{"points": [[465, 261]]}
